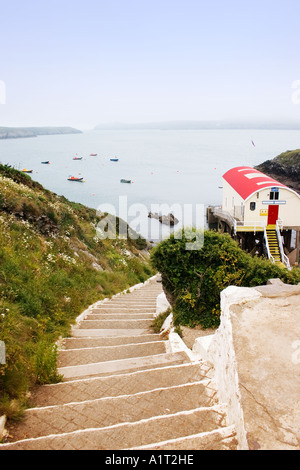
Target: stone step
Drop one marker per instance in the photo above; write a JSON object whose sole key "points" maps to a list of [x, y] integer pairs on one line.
{"points": [[139, 295], [77, 343], [218, 439], [74, 357], [112, 309], [98, 332], [126, 306], [110, 411], [136, 297], [131, 298], [120, 316], [123, 384], [123, 365], [142, 299], [125, 436], [115, 324], [129, 301]]}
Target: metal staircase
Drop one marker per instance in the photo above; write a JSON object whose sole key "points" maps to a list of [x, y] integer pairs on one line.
{"points": [[275, 246], [272, 244]]}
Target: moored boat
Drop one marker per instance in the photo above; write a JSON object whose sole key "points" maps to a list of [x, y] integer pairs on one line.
{"points": [[93, 154], [45, 163], [114, 159], [125, 181], [26, 171], [77, 158], [74, 178]]}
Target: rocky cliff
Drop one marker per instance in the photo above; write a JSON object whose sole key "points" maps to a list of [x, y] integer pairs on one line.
{"points": [[284, 168]]}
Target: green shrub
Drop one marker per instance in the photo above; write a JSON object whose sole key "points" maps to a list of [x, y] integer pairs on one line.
{"points": [[159, 320], [45, 363], [195, 278]]}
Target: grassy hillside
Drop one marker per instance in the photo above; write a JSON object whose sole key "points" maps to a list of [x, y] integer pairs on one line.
{"points": [[52, 267]]}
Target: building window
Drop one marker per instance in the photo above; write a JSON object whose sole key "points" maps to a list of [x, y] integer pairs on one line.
{"points": [[274, 195], [252, 206]]}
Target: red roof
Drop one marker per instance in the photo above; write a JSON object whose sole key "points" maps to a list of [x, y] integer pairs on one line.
{"points": [[247, 181]]}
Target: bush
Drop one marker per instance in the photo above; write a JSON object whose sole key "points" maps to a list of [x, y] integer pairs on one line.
{"points": [[194, 279]]}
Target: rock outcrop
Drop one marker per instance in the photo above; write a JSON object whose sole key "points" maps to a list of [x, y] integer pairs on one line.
{"points": [[285, 168], [164, 219]]}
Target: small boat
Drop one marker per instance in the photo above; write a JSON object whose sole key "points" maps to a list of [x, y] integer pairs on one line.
{"points": [[45, 163], [125, 181], [73, 178], [114, 159], [93, 154], [26, 171], [77, 158]]}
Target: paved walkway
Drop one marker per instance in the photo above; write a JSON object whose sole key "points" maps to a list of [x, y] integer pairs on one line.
{"points": [[122, 389]]}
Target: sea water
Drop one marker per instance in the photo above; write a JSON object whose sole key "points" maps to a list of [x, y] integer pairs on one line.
{"points": [[178, 171]]}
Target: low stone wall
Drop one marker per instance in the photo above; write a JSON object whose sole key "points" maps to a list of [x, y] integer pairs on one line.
{"points": [[257, 364]]}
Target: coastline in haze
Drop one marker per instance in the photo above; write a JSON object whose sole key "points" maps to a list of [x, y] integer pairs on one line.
{"points": [[166, 167]]}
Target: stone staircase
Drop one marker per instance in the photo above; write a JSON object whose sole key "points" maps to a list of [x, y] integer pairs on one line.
{"points": [[124, 389]]}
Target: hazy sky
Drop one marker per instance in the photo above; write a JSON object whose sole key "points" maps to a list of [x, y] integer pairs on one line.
{"points": [[82, 63]]}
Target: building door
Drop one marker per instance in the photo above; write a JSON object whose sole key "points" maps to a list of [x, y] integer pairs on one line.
{"points": [[273, 214]]}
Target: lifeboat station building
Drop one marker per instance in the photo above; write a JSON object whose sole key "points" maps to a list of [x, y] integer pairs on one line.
{"points": [[262, 214]]}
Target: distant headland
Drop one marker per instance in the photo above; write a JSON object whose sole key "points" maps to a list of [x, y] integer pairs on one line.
{"points": [[203, 125], [21, 132]]}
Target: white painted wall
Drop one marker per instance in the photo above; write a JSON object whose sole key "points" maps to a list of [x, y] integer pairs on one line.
{"points": [[289, 212], [230, 198]]}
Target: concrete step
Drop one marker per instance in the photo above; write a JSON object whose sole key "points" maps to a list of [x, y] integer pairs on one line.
{"points": [[131, 298], [116, 324], [122, 365], [129, 301], [113, 309], [115, 410], [120, 316], [163, 428], [122, 384], [137, 298], [218, 439], [149, 295], [126, 307], [98, 332], [90, 342], [73, 357]]}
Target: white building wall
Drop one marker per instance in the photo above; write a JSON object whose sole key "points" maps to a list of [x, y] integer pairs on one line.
{"points": [[289, 212], [233, 203], [231, 199]]}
